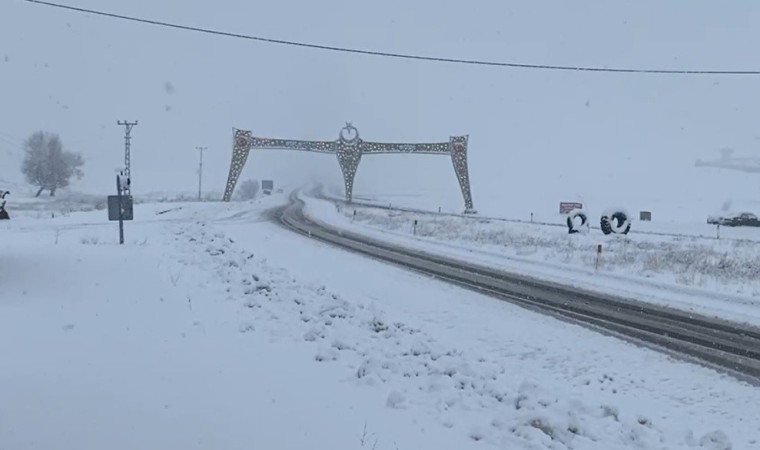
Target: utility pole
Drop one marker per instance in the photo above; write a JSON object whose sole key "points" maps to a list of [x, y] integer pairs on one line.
{"points": [[127, 158], [200, 170]]}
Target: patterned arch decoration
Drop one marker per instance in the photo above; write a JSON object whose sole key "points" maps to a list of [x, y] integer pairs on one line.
{"points": [[349, 148]]}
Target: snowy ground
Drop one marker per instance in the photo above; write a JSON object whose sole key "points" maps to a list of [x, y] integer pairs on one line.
{"points": [[215, 328], [715, 277]]}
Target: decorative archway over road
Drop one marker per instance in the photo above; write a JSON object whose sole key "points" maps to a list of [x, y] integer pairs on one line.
{"points": [[349, 148]]}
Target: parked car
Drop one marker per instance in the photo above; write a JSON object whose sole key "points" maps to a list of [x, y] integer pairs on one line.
{"points": [[744, 219]]}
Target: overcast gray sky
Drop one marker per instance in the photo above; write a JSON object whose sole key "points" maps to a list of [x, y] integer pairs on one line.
{"points": [[535, 136]]}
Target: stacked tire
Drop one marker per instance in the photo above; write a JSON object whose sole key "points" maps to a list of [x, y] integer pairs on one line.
{"points": [[3, 213], [572, 227], [615, 221]]}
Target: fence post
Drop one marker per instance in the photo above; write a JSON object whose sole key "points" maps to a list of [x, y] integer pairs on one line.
{"points": [[598, 256]]}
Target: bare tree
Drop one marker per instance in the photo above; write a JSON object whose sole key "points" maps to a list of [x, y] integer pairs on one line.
{"points": [[47, 165], [248, 189]]}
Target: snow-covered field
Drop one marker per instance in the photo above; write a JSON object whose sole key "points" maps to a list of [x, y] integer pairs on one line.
{"points": [[710, 276], [215, 328], [418, 203]]}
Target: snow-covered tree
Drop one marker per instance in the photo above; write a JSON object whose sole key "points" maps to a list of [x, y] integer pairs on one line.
{"points": [[46, 165]]}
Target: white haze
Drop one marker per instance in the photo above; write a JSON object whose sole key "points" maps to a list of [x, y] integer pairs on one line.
{"points": [[536, 137]]}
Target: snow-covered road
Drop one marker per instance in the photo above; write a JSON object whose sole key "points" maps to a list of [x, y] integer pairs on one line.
{"points": [[215, 328]]}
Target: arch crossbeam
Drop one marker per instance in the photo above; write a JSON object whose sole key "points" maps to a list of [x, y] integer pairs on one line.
{"points": [[349, 149], [382, 147], [292, 144]]}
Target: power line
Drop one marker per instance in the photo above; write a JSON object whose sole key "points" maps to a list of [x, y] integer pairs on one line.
{"points": [[400, 55], [16, 147], [8, 136]]}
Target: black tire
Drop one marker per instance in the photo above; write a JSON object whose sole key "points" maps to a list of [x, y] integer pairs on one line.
{"points": [[613, 223], [571, 221]]}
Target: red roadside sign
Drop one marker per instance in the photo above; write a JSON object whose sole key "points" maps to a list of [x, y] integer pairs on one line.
{"points": [[566, 207]]}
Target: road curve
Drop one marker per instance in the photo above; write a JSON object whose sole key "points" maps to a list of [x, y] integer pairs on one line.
{"points": [[727, 346]]}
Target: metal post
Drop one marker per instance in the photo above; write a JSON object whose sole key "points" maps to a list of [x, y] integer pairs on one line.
{"points": [[121, 211], [200, 170]]}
